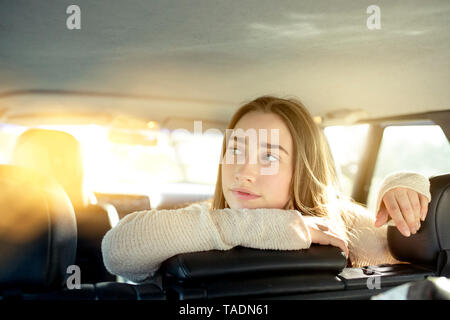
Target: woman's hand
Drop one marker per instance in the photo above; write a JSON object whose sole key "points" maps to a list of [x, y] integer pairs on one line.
{"points": [[406, 207], [321, 234]]}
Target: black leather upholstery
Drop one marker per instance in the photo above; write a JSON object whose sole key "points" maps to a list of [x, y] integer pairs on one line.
{"points": [[252, 273], [38, 241], [58, 154], [256, 286], [92, 225], [103, 291], [125, 291], [38, 232], [433, 238], [243, 261]]}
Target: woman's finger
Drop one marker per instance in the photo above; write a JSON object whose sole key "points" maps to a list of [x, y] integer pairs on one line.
{"points": [[321, 223], [394, 211], [382, 216], [328, 238], [338, 242], [423, 206], [323, 226], [403, 202], [415, 205]]}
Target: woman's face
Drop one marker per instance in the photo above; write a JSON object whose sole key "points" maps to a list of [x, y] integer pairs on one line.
{"points": [[261, 179]]}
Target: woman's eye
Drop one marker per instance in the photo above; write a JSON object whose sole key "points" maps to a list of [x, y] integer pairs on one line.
{"points": [[234, 150], [270, 157]]}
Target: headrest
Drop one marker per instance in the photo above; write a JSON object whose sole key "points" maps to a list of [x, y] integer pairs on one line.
{"points": [[38, 234], [240, 260], [433, 238], [53, 153]]}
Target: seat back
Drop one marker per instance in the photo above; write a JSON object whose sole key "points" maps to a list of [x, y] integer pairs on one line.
{"points": [[251, 272], [38, 235], [92, 223], [244, 261], [430, 246], [58, 154], [38, 243]]}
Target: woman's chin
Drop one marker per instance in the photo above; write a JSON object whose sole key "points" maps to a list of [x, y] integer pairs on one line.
{"points": [[241, 205]]}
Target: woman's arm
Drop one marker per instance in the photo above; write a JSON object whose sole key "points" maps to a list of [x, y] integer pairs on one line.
{"points": [[367, 243], [403, 197], [143, 240]]}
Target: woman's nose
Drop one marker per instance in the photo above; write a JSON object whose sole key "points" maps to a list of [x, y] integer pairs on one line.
{"points": [[246, 172]]}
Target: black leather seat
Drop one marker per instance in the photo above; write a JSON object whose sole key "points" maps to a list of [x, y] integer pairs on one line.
{"points": [[426, 253], [252, 273], [38, 242], [58, 154], [104, 291], [430, 247], [92, 225], [37, 233]]}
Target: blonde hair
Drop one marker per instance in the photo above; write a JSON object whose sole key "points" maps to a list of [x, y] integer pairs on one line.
{"points": [[314, 188]]}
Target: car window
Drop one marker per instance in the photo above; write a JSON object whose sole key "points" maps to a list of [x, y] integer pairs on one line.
{"points": [[419, 148], [198, 155], [112, 167], [347, 145]]}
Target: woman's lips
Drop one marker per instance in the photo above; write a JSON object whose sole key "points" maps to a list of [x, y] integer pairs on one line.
{"points": [[244, 195]]}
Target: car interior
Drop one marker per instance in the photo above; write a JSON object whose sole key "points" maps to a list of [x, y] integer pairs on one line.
{"points": [[102, 121]]}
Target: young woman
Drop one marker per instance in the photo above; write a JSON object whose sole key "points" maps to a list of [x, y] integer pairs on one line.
{"points": [[280, 193]]}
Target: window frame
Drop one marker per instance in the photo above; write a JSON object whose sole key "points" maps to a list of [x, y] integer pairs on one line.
{"points": [[368, 162]]}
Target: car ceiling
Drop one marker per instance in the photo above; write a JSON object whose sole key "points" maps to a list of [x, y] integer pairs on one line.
{"points": [[201, 59]]}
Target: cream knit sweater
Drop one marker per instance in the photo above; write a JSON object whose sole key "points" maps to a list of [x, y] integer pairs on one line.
{"points": [[142, 240]]}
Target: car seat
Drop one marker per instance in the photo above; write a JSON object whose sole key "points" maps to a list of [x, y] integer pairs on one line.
{"points": [[430, 247], [38, 236], [38, 244], [58, 154]]}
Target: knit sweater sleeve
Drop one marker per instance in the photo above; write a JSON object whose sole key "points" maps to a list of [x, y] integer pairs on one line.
{"points": [[141, 241], [368, 244]]}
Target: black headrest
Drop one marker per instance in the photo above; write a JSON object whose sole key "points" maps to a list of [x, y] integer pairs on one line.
{"points": [[38, 232], [433, 237], [53, 153], [240, 260]]}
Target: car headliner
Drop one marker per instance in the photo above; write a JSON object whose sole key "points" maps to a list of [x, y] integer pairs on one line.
{"points": [[202, 59]]}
